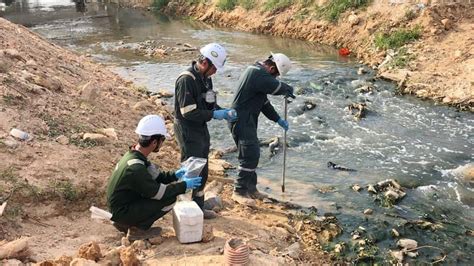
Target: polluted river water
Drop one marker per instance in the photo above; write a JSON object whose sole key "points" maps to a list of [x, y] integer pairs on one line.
{"points": [[417, 143]]}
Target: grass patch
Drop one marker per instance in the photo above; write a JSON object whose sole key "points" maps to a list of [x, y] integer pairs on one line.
{"points": [[159, 4], [334, 8], [401, 59], [247, 4], [226, 5], [13, 186], [272, 5], [397, 38], [85, 143], [55, 128], [64, 189], [12, 99]]}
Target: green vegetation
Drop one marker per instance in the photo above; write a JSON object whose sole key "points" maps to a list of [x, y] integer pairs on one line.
{"points": [[226, 5], [65, 189], [247, 4], [398, 38], [401, 59], [159, 4], [195, 1], [272, 5], [334, 8], [85, 143]]}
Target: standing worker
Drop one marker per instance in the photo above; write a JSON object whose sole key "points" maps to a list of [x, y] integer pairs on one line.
{"points": [[195, 105], [250, 99], [137, 193]]}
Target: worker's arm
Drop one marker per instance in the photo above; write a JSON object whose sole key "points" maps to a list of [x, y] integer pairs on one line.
{"points": [[186, 95], [266, 83], [145, 185], [269, 111]]}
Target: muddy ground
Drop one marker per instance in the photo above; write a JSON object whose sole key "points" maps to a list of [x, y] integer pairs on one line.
{"points": [[80, 118]]}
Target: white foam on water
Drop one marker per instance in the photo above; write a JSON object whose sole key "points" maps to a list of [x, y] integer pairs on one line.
{"points": [[454, 186]]}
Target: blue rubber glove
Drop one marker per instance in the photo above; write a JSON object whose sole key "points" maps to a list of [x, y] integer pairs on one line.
{"points": [[231, 115], [284, 124], [227, 114], [192, 183], [219, 114], [180, 172]]}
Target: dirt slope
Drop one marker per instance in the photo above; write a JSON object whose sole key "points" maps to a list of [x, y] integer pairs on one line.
{"points": [[50, 180], [441, 62]]}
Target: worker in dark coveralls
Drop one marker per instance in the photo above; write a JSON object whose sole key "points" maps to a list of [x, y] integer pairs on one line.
{"points": [[195, 105], [257, 81], [138, 193]]}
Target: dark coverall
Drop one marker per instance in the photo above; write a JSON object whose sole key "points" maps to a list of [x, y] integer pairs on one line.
{"points": [[138, 194], [251, 99], [194, 104]]}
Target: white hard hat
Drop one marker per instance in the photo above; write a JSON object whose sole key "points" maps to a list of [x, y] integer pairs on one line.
{"points": [[216, 53], [282, 62], [152, 125]]}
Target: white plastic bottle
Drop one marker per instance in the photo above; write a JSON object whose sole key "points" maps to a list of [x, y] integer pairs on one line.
{"points": [[19, 134]]}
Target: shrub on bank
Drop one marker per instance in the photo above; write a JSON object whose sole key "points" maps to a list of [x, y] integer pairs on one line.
{"points": [[334, 8], [159, 4], [271, 5], [226, 5], [247, 4], [397, 38]]}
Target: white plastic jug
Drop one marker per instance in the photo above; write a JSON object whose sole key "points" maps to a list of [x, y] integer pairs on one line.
{"points": [[188, 221]]}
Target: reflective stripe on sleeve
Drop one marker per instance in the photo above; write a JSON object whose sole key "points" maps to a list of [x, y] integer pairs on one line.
{"points": [[187, 108], [247, 169], [278, 88], [161, 192], [168, 208], [135, 161]]}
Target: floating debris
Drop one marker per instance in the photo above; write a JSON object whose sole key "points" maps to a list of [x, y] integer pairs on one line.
{"points": [[338, 167], [356, 187], [393, 192], [394, 233]]}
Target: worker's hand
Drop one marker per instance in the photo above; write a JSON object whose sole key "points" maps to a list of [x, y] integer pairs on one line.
{"points": [[219, 114], [180, 172], [284, 124], [290, 93], [231, 115], [192, 183], [227, 114]]}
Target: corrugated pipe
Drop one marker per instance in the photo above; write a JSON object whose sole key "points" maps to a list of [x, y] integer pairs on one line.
{"points": [[236, 252]]}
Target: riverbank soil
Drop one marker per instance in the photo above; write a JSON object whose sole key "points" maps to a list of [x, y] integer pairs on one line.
{"points": [[426, 47], [80, 118]]}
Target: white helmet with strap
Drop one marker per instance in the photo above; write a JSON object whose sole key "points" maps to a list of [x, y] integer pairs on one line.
{"points": [[282, 62], [152, 125], [215, 53]]}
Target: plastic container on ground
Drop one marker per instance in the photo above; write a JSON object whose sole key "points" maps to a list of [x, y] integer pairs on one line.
{"points": [[188, 222], [98, 213], [19, 134]]}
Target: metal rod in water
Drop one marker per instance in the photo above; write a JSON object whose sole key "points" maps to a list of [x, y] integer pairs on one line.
{"points": [[284, 147]]}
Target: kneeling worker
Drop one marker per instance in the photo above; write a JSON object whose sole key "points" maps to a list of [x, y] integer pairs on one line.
{"points": [[138, 193]]}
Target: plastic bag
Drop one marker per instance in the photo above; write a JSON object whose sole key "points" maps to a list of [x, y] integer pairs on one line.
{"points": [[194, 166]]}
